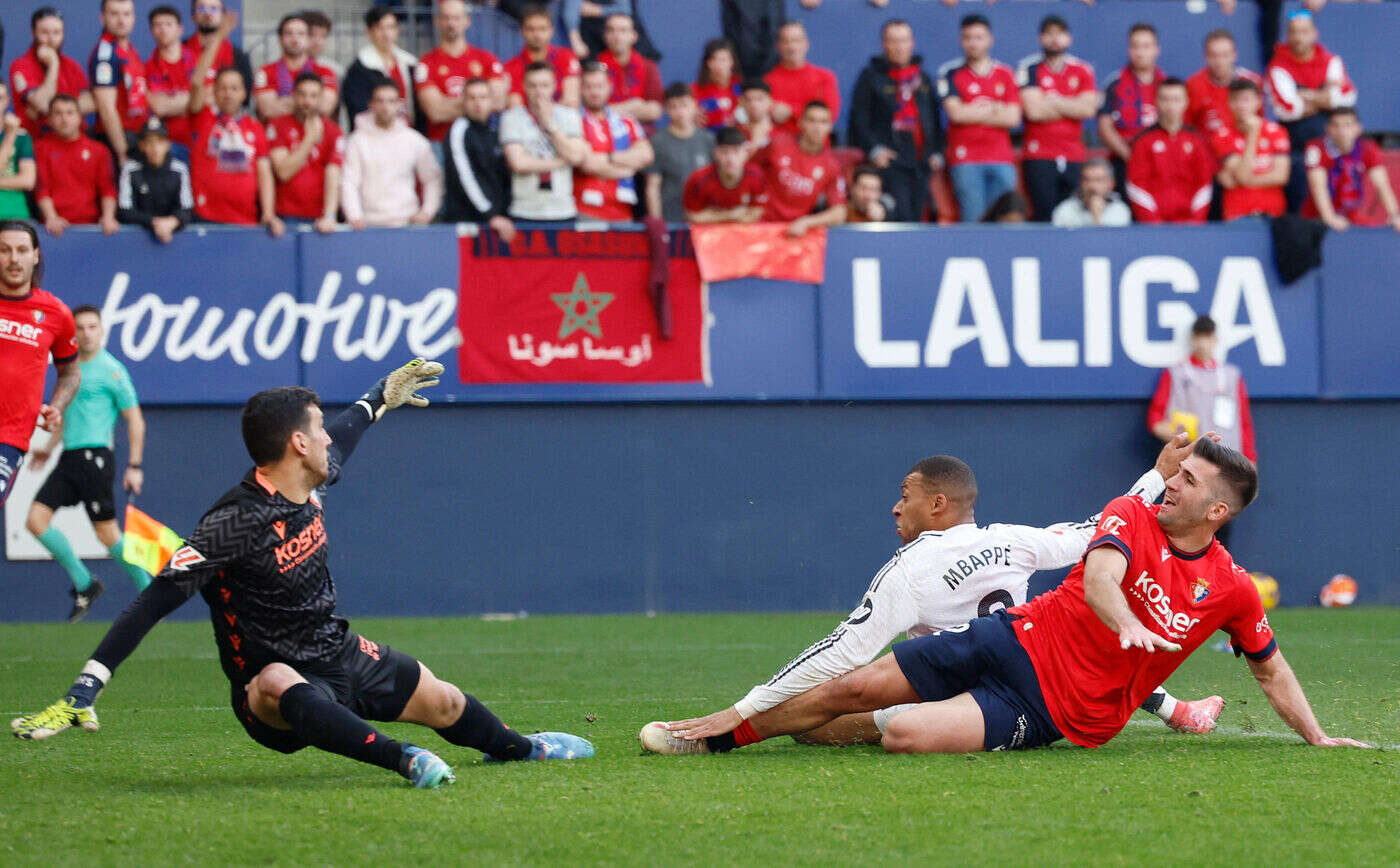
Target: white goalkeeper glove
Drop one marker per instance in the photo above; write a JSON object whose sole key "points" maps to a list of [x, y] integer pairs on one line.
{"points": [[401, 387]]}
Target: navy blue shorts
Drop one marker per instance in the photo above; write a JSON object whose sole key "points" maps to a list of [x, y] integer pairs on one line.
{"points": [[10, 460], [984, 659]]}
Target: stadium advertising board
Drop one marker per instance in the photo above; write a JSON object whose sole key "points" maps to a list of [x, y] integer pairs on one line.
{"points": [[997, 313]]}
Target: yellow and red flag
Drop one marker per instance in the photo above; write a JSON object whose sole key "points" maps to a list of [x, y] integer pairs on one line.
{"points": [[146, 542]]}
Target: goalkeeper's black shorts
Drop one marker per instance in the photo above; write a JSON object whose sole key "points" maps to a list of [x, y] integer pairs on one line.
{"points": [[370, 679]]}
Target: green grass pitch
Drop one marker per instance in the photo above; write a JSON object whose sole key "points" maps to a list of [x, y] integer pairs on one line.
{"points": [[172, 778]]}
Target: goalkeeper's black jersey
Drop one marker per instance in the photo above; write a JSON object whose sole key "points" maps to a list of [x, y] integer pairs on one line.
{"points": [[259, 560]]}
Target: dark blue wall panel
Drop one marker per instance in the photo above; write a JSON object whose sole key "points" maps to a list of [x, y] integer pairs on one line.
{"points": [[627, 508]]}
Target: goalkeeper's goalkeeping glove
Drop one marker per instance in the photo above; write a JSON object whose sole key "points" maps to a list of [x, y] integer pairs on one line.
{"points": [[401, 387]]}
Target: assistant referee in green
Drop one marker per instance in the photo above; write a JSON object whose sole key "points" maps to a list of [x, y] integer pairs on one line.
{"points": [[86, 469]]}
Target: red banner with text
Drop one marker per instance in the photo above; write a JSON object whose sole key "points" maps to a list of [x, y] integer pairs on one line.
{"points": [[559, 306]]}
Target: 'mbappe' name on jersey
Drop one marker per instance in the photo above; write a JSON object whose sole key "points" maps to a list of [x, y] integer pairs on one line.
{"points": [[1159, 605], [302, 546], [965, 567]]}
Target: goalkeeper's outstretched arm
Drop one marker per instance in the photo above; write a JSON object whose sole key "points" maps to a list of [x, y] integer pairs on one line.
{"points": [[395, 389]]}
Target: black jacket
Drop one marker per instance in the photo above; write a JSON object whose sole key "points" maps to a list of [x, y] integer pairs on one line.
{"points": [[145, 191], [477, 180], [873, 105]]}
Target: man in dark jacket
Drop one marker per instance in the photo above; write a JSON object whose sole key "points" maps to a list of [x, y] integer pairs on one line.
{"points": [[895, 120], [477, 179], [154, 187]]}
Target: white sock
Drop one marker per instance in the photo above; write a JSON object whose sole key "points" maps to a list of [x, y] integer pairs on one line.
{"points": [[1168, 706]]}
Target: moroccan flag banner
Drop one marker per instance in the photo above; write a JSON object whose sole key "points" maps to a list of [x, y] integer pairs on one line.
{"points": [[146, 542], [727, 251], [560, 306]]}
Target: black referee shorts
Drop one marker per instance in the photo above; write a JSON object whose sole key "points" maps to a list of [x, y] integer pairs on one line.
{"points": [[370, 679], [83, 476]]}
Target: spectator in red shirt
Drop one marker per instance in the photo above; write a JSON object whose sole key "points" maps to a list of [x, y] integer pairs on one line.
{"points": [[867, 203], [537, 30], [605, 186], [729, 190], [44, 71], [803, 176], [1208, 91], [168, 73], [1057, 95], [306, 151], [1172, 166], [75, 173], [229, 165], [983, 105], [1339, 165], [716, 86], [118, 77], [442, 74], [380, 58], [755, 115], [208, 16], [272, 84], [1305, 82], [895, 120], [794, 82], [1253, 157], [636, 81], [1130, 99]]}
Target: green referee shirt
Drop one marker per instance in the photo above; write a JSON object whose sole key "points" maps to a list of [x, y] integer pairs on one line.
{"points": [[105, 391], [12, 202]]}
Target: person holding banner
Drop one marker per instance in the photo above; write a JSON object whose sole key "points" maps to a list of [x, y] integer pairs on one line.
{"points": [[86, 466]]}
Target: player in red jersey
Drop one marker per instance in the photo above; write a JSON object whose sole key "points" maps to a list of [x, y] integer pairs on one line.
{"points": [[1073, 663], [168, 74], [1339, 164], [728, 190], [1254, 159], [1208, 90], [34, 325], [118, 78], [442, 73], [802, 174], [605, 186], [306, 151], [537, 31], [272, 84], [44, 71]]}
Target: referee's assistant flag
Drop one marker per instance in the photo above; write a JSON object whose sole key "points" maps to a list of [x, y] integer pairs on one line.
{"points": [[146, 542]]}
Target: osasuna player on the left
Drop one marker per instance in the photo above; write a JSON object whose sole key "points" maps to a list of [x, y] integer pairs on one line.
{"points": [[34, 325], [298, 675]]}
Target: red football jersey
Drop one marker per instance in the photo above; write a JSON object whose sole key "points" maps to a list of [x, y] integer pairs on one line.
{"points": [[1208, 103], [279, 78], [223, 55], [1049, 140], [224, 166], [638, 78], [1090, 684], [1170, 176], [76, 175], [607, 198], [1346, 175], [797, 87], [32, 328], [450, 74], [172, 77], [304, 195], [565, 65], [704, 190], [717, 104], [27, 73], [796, 180], [978, 143], [121, 67], [1243, 201]]}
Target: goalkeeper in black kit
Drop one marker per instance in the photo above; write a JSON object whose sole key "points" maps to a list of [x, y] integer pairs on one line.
{"points": [[298, 675]]}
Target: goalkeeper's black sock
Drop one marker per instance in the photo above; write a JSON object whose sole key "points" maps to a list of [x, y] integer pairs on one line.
{"points": [[332, 727], [480, 729]]}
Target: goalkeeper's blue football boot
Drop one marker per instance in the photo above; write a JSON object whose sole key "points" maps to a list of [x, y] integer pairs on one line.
{"points": [[555, 746], [426, 770]]}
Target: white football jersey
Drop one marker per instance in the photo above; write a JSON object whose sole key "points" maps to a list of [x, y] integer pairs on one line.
{"points": [[942, 579]]}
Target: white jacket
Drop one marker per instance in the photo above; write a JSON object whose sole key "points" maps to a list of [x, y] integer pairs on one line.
{"points": [[383, 171]]}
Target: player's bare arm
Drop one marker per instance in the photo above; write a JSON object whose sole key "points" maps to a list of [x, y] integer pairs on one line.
{"points": [[69, 376], [1104, 568], [1285, 694]]}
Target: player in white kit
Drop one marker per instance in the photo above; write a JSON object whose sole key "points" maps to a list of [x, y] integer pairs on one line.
{"points": [[948, 572]]}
